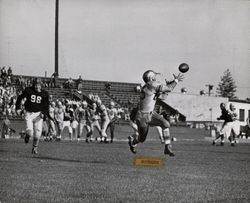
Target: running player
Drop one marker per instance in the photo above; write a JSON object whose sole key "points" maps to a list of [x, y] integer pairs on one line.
{"points": [[36, 109], [146, 116], [233, 127], [226, 117], [229, 128]]}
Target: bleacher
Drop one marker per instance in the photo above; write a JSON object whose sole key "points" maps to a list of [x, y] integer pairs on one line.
{"points": [[120, 92]]}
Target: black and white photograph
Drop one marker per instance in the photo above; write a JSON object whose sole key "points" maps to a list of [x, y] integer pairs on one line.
{"points": [[124, 101]]}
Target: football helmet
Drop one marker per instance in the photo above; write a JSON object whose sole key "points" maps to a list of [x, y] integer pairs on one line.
{"points": [[149, 75]]}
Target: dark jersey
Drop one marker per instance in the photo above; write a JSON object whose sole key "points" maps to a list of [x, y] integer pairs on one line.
{"points": [[225, 116], [68, 115], [35, 101]]}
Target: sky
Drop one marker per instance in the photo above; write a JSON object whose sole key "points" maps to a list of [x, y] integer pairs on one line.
{"points": [[118, 40]]}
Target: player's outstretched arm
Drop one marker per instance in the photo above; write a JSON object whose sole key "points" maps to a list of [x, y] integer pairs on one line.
{"points": [[171, 85]]}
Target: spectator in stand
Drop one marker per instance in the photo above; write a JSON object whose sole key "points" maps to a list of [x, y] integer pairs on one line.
{"points": [[53, 80], [21, 82], [8, 81], [3, 73], [9, 72], [44, 83], [28, 83], [79, 83], [69, 83]]}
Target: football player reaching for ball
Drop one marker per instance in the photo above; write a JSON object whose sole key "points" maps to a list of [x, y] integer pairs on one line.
{"points": [[146, 116], [36, 108]]}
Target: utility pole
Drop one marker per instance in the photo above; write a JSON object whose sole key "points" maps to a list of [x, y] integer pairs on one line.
{"points": [[210, 87], [56, 36]]}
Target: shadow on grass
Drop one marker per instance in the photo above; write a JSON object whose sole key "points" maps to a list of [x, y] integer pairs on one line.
{"points": [[69, 160], [219, 152]]}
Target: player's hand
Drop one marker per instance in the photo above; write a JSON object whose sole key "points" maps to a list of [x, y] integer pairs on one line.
{"points": [[179, 77]]}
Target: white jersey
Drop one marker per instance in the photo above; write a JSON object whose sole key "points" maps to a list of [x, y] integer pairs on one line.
{"points": [[52, 112], [59, 114], [112, 113], [148, 96], [150, 92]]}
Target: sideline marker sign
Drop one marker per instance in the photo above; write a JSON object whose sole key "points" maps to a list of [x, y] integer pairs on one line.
{"points": [[155, 162]]}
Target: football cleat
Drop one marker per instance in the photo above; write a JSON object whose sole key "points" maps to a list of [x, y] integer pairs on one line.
{"points": [[34, 150], [213, 143], [131, 146], [27, 138], [222, 143], [168, 151]]}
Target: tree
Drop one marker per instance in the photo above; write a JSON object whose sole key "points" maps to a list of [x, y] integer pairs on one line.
{"points": [[227, 86]]}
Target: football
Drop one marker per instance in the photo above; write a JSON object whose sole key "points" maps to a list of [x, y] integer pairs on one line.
{"points": [[183, 68]]}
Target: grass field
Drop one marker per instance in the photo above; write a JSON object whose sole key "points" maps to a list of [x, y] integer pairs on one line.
{"points": [[70, 172]]}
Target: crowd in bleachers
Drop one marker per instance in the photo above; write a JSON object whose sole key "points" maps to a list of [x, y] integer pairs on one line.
{"points": [[8, 93]]}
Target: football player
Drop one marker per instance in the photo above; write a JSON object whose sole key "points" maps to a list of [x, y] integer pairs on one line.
{"points": [[52, 127], [36, 109], [146, 116], [229, 128], [82, 117], [104, 120], [113, 117], [132, 123], [59, 117], [94, 120], [226, 117], [232, 128], [67, 120]]}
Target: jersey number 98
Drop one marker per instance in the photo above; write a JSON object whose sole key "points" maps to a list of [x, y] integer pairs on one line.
{"points": [[35, 99]]}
